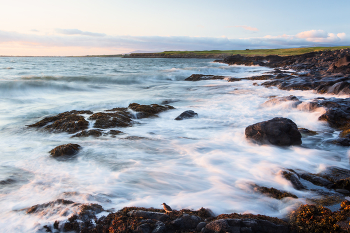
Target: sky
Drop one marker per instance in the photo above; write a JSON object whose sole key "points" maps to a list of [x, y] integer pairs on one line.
{"points": [[91, 27]]}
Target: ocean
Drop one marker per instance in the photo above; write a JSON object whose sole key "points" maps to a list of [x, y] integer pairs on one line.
{"points": [[201, 162]]}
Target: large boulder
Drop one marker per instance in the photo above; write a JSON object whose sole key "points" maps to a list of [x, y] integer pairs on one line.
{"points": [[277, 131]]}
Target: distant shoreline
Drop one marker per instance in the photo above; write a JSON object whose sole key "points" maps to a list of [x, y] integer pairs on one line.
{"points": [[215, 54]]}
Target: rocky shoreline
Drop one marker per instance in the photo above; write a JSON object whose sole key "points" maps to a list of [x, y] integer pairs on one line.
{"points": [[323, 72]]}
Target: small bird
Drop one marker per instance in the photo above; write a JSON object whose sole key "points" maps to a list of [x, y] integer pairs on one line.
{"points": [[167, 208]]}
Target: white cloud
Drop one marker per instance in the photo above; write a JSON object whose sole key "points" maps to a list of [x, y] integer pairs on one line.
{"points": [[316, 34], [76, 38], [78, 32]]}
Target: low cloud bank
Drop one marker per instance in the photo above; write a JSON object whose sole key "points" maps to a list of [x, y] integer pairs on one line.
{"points": [[78, 38]]}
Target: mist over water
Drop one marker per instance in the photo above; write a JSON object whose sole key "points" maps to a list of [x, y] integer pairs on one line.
{"points": [[200, 162]]}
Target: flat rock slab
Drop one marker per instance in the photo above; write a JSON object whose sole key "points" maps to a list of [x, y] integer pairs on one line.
{"points": [[66, 149], [278, 131]]}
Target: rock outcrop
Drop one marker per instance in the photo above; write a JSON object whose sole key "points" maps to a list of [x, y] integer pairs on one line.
{"points": [[186, 115], [278, 131]]}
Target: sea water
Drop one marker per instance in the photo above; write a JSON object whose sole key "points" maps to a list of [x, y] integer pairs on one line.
{"points": [[200, 162]]}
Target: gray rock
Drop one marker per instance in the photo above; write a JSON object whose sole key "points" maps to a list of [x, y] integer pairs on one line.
{"points": [[148, 215], [143, 228], [186, 115], [294, 179], [316, 180], [220, 225], [269, 227], [160, 227], [200, 226], [187, 221], [277, 131]]}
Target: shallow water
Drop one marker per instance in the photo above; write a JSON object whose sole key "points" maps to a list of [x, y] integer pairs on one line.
{"points": [[205, 161]]}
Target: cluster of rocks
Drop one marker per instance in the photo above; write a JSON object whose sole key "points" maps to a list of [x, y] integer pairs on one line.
{"points": [[323, 71], [74, 122], [82, 218]]}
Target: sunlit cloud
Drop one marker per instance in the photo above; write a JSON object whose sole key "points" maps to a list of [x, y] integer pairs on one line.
{"points": [[248, 28]]}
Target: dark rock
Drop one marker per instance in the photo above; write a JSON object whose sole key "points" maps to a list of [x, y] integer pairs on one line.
{"points": [[115, 132], [7, 181], [87, 133], [307, 132], [277, 100], [143, 228], [144, 111], [186, 115], [187, 222], [316, 180], [294, 179], [220, 225], [119, 118], [261, 77], [313, 218], [70, 122], [277, 131], [344, 61], [67, 149], [200, 226], [40, 207], [89, 211], [272, 192], [56, 224], [159, 227], [199, 77], [148, 215]]}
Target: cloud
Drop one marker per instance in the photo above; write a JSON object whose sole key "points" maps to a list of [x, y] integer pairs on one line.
{"points": [[76, 38], [248, 28], [320, 36], [78, 32]]}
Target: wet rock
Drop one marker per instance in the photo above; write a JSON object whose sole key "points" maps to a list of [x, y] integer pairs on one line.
{"points": [[70, 122], [7, 181], [199, 77], [143, 228], [159, 227], [261, 77], [40, 207], [294, 179], [325, 198], [312, 218], [148, 215], [274, 101], [186, 115], [277, 131], [220, 225], [200, 226], [272, 192], [89, 211], [334, 174], [115, 132], [67, 149], [187, 222], [87, 133], [119, 118], [307, 132], [316, 180], [144, 111]]}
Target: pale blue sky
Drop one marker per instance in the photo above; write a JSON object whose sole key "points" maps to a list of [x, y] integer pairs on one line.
{"points": [[77, 27]]}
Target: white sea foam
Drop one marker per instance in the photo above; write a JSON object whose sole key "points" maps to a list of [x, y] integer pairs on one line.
{"points": [[200, 162]]}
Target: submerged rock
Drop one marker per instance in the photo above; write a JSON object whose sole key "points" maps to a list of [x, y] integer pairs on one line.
{"points": [[67, 149], [144, 111], [277, 131], [293, 178], [307, 132], [186, 115], [199, 77], [272, 192], [277, 100], [87, 133]]}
